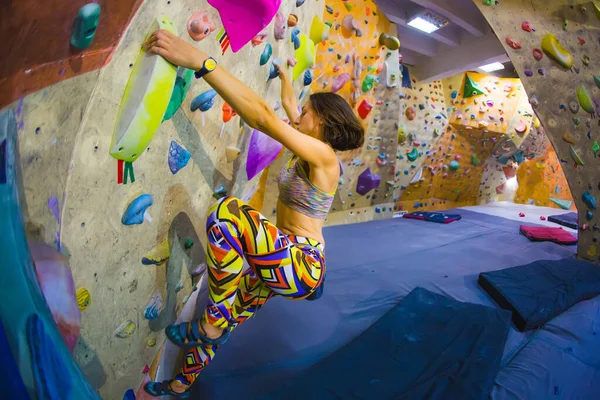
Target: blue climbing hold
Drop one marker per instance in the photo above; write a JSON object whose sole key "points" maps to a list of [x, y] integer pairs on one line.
{"points": [[129, 395], [589, 200], [178, 157], [274, 71], [589, 215], [204, 101], [296, 38], [134, 215], [454, 94], [308, 77]]}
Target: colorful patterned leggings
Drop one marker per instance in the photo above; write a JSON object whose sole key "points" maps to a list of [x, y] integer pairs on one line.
{"points": [[286, 265]]}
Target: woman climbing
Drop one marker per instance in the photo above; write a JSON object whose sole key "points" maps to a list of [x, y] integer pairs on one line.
{"points": [[286, 259]]}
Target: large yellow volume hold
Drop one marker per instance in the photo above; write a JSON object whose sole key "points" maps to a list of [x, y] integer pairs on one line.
{"points": [[145, 100], [555, 51]]}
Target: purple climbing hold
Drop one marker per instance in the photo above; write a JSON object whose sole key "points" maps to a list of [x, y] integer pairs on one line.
{"points": [[263, 150], [178, 157], [528, 72], [367, 181]]}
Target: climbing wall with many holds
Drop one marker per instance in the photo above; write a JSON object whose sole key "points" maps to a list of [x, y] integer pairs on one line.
{"points": [[359, 61], [555, 49], [134, 229]]}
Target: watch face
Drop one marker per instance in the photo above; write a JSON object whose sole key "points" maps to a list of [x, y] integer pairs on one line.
{"points": [[210, 64]]}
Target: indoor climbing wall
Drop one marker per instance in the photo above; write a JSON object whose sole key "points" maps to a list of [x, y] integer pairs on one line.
{"points": [[555, 49], [483, 111], [423, 121], [361, 65], [134, 229]]}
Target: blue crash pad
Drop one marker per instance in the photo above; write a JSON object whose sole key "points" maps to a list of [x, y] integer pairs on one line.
{"points": [[569, 220], [540, 291], [427, 346]]}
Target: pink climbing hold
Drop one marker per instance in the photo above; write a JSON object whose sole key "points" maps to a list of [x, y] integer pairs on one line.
{"points": [[199, 25], [291, 61], [280, 26], [243, 20], [543, 218], [339, 82], [263, 150], [522, 215]]}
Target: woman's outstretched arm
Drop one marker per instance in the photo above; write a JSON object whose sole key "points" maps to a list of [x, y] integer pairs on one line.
{"points": [[249, 105], [288, 98]]}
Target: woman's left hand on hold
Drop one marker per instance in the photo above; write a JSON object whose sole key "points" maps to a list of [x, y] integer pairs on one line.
{"points": [[175, 50]]}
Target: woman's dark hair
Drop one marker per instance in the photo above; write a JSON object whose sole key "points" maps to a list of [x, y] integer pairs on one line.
{"points": [[341, 128]]}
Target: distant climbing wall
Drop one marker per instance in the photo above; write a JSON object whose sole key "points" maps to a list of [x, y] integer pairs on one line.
{"points": [[75, 194], [555, 49], [353, 63]]}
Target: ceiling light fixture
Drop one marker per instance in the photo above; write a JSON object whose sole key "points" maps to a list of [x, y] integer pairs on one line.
{"points": [[427, 21], [492, 67]]}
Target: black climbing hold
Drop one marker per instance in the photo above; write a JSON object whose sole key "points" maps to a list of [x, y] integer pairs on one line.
{"points": [[38, 130], [130, 65]]}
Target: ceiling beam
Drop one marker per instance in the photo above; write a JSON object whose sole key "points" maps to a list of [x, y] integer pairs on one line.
{"points": [[473, 53], [417, 43], [449, 35], [463, 13], [411, 58]]}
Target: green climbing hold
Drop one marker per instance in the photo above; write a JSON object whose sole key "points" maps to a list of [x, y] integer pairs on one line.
{"points": [[348, 6], [488, 2], [266, 54], [596, 9], [412, 156], [595, 147], [220, 192], [565, 25], [564, 204], [556, 52], [471, 87], [575, 156], [368, 83], [84, 27], [454, 165], [597, 80], [189, 243], [474, 160], [585, 100], [182, 85]]}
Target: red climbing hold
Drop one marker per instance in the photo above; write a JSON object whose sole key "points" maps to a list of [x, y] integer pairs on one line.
{"points": [[581, 40], [513, 43], [543, 218], [538, 54], [364, 109], [526, 26], [521, 215]]}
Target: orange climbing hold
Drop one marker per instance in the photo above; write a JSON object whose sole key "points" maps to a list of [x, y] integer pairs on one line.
{"points": [[228, 112], [513, 43]]}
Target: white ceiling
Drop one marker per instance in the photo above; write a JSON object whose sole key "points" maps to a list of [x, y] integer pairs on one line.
{"points": [[465, 44]]}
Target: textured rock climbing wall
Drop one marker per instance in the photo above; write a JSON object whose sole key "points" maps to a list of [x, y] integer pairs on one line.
{"points": [[39, 50], [557, 57], [423, 121], [73, 200]]}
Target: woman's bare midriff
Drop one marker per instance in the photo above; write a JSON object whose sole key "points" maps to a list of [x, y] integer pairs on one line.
{"points": [[292, 222]]}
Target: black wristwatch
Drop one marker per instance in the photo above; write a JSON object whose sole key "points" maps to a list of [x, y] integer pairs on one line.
{"points": [[209, 65]]}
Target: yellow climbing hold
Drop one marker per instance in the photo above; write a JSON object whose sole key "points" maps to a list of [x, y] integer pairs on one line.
{"points": [[305, 55], [158, 255], [567, 137], [555, 51], [537, 123], [319, 31], [592, 251], [575, 156], [596, 8], [145, 101], [585, 100], [151, 342], [83, 298]]}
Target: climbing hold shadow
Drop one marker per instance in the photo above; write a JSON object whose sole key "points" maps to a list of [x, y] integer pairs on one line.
{"points": [[134, 214]]}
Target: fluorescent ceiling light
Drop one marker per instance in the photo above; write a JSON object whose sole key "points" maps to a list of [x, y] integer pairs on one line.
{"points": [[422, 25], [427, 21], [492, 67]]}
